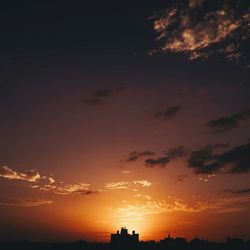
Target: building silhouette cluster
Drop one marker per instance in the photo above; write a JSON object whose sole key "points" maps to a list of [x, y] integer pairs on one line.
{"points": [[122, 240]]}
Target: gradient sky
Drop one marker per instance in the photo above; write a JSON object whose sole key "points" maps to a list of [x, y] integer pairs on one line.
{"points": [[123, 113]]}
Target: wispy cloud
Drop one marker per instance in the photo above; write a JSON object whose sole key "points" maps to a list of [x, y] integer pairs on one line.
{"points": [[67, 189], [24, 202], [144, 207], [46, 183], [132, 185], [199, 29], [118, 185], [27, 175]]}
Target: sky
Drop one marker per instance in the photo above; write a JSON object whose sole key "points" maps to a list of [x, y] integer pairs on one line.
{"points": [[124, 113]]}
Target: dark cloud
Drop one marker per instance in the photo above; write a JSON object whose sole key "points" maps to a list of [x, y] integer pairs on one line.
{"points": [[170, 112], [241, 191], [135, 155], [211, 159], [162, 161], [201, 28], [226, 123], [200, 158], [102, 96], [206, 161], [170, 155]]}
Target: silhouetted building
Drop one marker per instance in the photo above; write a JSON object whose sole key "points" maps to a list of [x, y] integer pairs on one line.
{"points": [[123, 238], [173, 243], [167, 240], [235, 243]]}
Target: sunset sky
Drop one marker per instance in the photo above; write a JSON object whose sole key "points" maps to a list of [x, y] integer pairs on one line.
{"points": [[124, 113]]}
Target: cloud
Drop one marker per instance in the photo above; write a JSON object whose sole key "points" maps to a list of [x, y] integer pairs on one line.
{"points": [[67, 189], [226, 123], [33, 176], [102, 96], [200, 28], [117, 185], [170, 112], [209, 160], [170, 155], [235, 160], [27, 175], [132, 185], [24, 202], [135, 155]]}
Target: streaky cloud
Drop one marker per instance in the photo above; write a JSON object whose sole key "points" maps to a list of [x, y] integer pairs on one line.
{"points": [[130, 185], [240, 191], [68, 189], [28, 202]]}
